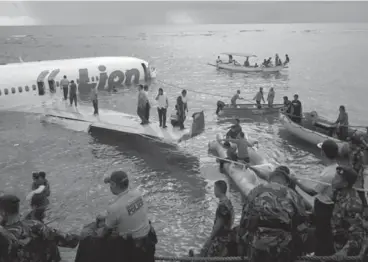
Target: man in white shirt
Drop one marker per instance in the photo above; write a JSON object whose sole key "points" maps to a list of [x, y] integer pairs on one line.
{"points": [[64, 83], [323, 204], [162, 105]]}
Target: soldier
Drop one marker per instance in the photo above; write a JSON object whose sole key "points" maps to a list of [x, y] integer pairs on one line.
{"points": [[35, 241], [216, 245], [272, 217], [346, 222]]}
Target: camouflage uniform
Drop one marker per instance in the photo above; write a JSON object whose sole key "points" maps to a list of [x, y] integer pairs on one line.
{"points": [[217, 247], [269, 227], [346, 221], [36, 242]]}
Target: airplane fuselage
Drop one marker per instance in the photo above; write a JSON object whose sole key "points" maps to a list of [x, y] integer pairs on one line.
{"points": [[32, 82]]}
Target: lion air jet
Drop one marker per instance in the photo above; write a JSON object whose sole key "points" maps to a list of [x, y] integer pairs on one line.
{"points": [[34, 87]]}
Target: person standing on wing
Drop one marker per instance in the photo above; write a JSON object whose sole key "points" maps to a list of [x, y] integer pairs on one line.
{"points": [[163, 104]]}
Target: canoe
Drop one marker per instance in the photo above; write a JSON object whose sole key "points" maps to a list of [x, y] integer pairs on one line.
{"points": [[245, 110], [246, 179], [314, 129], [243, 69]]}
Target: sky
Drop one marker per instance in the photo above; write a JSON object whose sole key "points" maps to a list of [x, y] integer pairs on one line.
{"points": [[179, 12]]}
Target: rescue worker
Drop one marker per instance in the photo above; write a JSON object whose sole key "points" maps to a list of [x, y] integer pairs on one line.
{"points": [[342, 123], [36, 241], [242, 144], [235, 97], [347, 223], [296, 110], [141, 105], [73, 93], [39, 196], [64, 83], [270, 97], [357, 161], [230, 154], [234, 130], [323, 204], [94, 99], [216, 245], [128, 217], [258, 97], [162, 105], [271, 218]]}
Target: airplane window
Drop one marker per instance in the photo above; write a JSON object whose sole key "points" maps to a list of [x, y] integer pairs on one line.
{"points": [[6, 91], [34, 87], [20, 89], [93, 79], [13, 90]]}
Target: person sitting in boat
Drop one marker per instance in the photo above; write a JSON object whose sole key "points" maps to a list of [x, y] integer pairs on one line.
{"points": [[276, 59], [242, 144], [216, 245], [342, 124], [234, 130], [258, 97], [271, 218], [296, 110], [357, 161], [235, 97], [287, 60], [255, 65], [231, 60], [287, 106], [264, 63], [246, 63], [218, 61], [270, 97]]}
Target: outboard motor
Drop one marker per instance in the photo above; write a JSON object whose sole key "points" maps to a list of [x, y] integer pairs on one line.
{"points": [[220, 106]]}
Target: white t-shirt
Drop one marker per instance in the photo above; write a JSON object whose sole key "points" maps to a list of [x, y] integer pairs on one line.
{"points": [[325, 191], [162, 101]]}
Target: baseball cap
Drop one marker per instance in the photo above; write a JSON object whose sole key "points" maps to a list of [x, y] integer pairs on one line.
{"points": [[348, 173], [329, 147], [282, 170], [117, 177]]}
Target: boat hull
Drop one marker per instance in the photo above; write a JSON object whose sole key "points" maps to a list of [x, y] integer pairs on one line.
{"points": [[311, 136], [246, 110], [242, 69]]}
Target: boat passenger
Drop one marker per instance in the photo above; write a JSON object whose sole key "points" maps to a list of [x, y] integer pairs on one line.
{"points": [[347, 223], [163, 104], [342, 123], [235, 97], [269, 62], [357, 161], [270, 97], [73, 93], [234, 130], [264, 63], [64, 83], [287, 106], [323, 203], [242, 144], [148, 105], [296, 110], [128, 218], [276, 59], [218, 61], [230, 153], [231, 59], [287, 59], [216, 245], [272, 233], [246, 63], [258, 97], [255, 65], [141, 107]]}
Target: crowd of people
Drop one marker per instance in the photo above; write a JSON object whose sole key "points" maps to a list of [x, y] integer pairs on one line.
{"points": [[266, 62]]}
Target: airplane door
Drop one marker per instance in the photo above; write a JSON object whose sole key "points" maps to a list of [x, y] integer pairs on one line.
{"points": [[41, 82], [145, 70], [51, 80]]}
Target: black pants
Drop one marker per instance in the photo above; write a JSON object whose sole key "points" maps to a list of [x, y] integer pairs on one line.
{"points": [[95, 106], [162, 116], [148, 107], [73, 97], [65, 90], [323, 234]]}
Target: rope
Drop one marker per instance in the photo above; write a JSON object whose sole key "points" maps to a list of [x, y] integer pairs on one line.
{"points": [[299, 259]]}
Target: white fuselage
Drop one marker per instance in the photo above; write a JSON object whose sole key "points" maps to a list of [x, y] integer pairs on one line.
{"points": [[33, 83]]}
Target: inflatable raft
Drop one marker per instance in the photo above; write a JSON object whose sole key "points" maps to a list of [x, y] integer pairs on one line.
{"points": [[246, 179]]}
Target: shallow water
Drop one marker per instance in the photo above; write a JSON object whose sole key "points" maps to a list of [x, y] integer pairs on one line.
{"points": [[326, 70]]}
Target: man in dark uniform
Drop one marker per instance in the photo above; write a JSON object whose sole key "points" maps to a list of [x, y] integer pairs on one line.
{"points": [[35, 241], [296, 110]]}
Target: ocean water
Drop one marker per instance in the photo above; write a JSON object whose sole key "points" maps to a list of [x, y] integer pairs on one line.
{"points": [[327, 70]]}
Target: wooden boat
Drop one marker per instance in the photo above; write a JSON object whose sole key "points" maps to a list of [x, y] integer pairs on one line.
{"points": [[245, 110], [239, 68], [245, 179], [315, 129]]}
